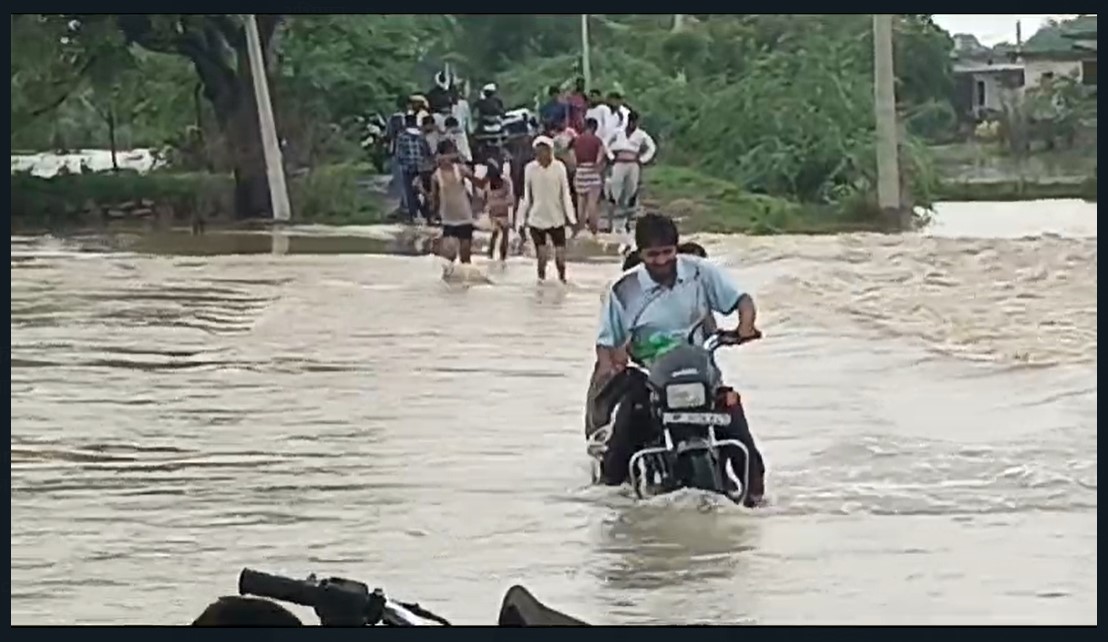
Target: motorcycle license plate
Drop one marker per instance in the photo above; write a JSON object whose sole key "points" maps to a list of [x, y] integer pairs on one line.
{"points": [[697, 418]]}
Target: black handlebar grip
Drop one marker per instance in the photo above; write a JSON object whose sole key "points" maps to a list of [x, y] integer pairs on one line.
{"points": [[275, 587]]}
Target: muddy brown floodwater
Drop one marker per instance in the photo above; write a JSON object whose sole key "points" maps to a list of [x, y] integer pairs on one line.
{"points": [[926, 403]]}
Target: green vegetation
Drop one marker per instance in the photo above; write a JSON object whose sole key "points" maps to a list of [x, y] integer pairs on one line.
{"points": [[328, 195], [989, 172], [765, 122], [1041, 142], [1017, 190], [702, 203]]}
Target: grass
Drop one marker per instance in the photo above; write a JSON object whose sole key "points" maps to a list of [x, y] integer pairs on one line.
{"points": [[334, 195], [1016, 190], [704, 203], [986, 172], [328, 195]]}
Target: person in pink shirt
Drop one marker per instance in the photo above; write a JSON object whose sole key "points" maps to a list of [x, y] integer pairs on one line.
{"points": [[578, 104]]}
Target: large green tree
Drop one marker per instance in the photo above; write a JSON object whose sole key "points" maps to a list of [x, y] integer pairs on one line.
{"points": [[216, 47]]}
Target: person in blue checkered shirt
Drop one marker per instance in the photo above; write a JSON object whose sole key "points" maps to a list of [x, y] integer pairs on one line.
{"points": [[413, 154]]}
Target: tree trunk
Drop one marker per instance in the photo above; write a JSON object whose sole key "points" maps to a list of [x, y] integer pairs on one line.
{"points": [[245, 140], [227, 86], [237, 116], [111, 137]]}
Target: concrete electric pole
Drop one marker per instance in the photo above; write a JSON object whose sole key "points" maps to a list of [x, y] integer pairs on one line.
{"points": [[884, 94], [586, 66], [274, 169]]}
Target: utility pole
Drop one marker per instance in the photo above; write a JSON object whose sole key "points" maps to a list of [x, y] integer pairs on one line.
{"points": [[586, 67], [678, 22], [275, 172], [884, 94]]}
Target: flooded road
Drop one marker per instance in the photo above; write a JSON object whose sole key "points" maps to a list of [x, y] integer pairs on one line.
{"points": [[926, 404]]}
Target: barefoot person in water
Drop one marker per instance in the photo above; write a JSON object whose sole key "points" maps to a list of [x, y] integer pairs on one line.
{"points": [[499, 198], [450, 201], [547, 206]]}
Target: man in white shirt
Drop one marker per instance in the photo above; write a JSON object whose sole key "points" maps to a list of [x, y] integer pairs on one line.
{"points": [[461, 110], [601, 113], [629, 148], [546, 207], [619, 111]]}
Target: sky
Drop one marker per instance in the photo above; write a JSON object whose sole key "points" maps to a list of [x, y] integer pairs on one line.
{"points": [[994, 28]]}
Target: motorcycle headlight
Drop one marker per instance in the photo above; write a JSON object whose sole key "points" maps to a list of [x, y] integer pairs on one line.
{"points": [[685, 395]]}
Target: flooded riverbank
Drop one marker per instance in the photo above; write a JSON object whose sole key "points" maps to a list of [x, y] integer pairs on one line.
{"points": [[926, 403]]}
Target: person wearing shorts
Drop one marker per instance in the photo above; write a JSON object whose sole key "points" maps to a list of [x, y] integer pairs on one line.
{"points": [[546, 207], [590, 154], [450, 201], [499, 200], [556, 236]]}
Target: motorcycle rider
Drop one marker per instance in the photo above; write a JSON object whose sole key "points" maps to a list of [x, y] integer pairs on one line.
{"points": [[650, 309], [488, 113], [439, 97], [489, 107]]}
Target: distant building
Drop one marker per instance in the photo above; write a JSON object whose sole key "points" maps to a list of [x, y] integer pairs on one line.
{"points": [[986, 78]]}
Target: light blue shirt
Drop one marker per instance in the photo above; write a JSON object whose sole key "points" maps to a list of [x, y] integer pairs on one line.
{"points": [[654, 317]]}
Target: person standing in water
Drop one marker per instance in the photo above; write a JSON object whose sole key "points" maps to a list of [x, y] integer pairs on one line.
{"points": [[499, 199], [547, 206], [450, 201]]}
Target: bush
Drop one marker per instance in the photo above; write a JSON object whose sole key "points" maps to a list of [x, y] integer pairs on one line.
{"points": [[69, 199], [330, 194]]}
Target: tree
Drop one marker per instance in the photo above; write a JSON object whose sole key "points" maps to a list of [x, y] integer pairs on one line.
{"points": [[48, 64], [115, 80], [333, 71], [216, 46]]}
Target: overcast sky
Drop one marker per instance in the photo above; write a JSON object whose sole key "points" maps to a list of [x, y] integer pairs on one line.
{"points": [[994, 28]]}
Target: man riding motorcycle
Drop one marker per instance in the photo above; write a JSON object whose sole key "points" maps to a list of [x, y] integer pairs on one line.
{"points": [[651, 309], [489, 107]]}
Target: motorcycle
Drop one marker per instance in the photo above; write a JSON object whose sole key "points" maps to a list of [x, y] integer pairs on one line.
{"points": [[372, 132], [494, 133], [688, 402], [342, 602]]}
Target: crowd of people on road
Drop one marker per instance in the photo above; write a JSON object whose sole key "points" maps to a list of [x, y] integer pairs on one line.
{"points": [[536, 175]]}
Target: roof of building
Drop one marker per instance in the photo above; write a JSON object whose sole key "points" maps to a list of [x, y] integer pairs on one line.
{"points": [[1060, 37], [983, 68]]}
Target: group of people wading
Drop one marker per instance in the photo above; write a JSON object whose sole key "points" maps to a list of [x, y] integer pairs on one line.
{"points": [[540, 176]]}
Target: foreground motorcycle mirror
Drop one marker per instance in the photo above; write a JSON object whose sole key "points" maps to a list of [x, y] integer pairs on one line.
{"points": [[521, 608]]}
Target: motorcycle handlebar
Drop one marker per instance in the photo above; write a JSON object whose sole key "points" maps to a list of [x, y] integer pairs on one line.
{"points": [[340, 602], [732, 337], [276, 587], [337, 601]]}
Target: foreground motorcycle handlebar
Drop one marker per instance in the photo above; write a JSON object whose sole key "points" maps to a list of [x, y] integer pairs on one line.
{"points": [[341, 602], [729, 338], [337, 601]]}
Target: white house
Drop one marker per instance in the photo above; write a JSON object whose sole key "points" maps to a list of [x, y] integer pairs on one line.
{"points": [[987, 79], [986, 86]]}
